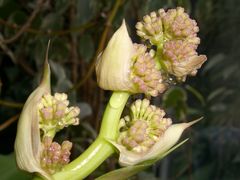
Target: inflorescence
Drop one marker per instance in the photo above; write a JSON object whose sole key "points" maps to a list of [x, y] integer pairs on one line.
{"points": [[175, 35], [143, 128], [54, 156], [145, 74], [55, 114]]}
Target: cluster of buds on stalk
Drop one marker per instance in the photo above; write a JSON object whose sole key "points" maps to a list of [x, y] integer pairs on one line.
{"points": [[42, 116], [144, 73], [175, 35], [55, 114], [140, 131], [54, 156], [146, 134]]}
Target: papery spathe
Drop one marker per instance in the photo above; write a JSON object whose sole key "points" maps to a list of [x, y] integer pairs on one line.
{"points": [[165, 143], [114, 63]]}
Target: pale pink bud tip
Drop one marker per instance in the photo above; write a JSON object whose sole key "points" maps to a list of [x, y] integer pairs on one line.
{"points": [[179, 24]]}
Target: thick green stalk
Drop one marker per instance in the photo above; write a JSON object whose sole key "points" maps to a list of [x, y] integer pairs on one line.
{"points": [[100, 150]]}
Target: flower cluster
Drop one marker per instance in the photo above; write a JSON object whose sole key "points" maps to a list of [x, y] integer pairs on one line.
{"points": [[173, 24], [144, 72], [175, 35], [182, 59], [54, 156], [141, 130], [151, 28], [124, 66], [146, 134], [55, 114]]}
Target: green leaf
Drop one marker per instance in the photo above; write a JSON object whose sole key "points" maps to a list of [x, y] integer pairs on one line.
{"points": [[186, 4], [7, 8], [84, 12], [174, 96], [126, 172], [9, 170], [196, 93], [18, 17], [52, 21], [62, 82], [176, 99], [86, 47]]}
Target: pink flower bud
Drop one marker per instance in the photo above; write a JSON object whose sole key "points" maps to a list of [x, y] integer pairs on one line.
{"points": [[144, 73], [54, 156], [182, 59]]}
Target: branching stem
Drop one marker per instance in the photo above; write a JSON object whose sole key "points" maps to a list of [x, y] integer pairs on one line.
{"points": [[101, 149]]}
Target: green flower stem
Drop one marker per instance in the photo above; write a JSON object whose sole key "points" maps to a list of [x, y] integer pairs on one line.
{"points": [[100, 150], [159, 58], [51, 133]]}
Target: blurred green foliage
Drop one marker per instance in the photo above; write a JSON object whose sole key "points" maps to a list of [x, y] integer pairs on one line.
{"points": [[76, 32]]}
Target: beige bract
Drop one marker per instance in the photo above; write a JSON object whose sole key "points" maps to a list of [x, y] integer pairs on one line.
{"points": [[28, 143], [41, 117], [114, 63]]}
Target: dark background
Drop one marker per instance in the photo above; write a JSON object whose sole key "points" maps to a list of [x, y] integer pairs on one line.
{"points": [[79, 30]]}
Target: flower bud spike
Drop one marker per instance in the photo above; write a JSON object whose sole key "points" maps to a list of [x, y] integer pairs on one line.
{"points": [[176, 40]]}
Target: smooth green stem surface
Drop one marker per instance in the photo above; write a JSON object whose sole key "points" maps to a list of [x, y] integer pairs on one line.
{"points": [[100, 149]]}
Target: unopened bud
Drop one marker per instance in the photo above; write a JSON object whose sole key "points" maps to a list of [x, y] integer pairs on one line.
{"points": [[53, 155]]}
